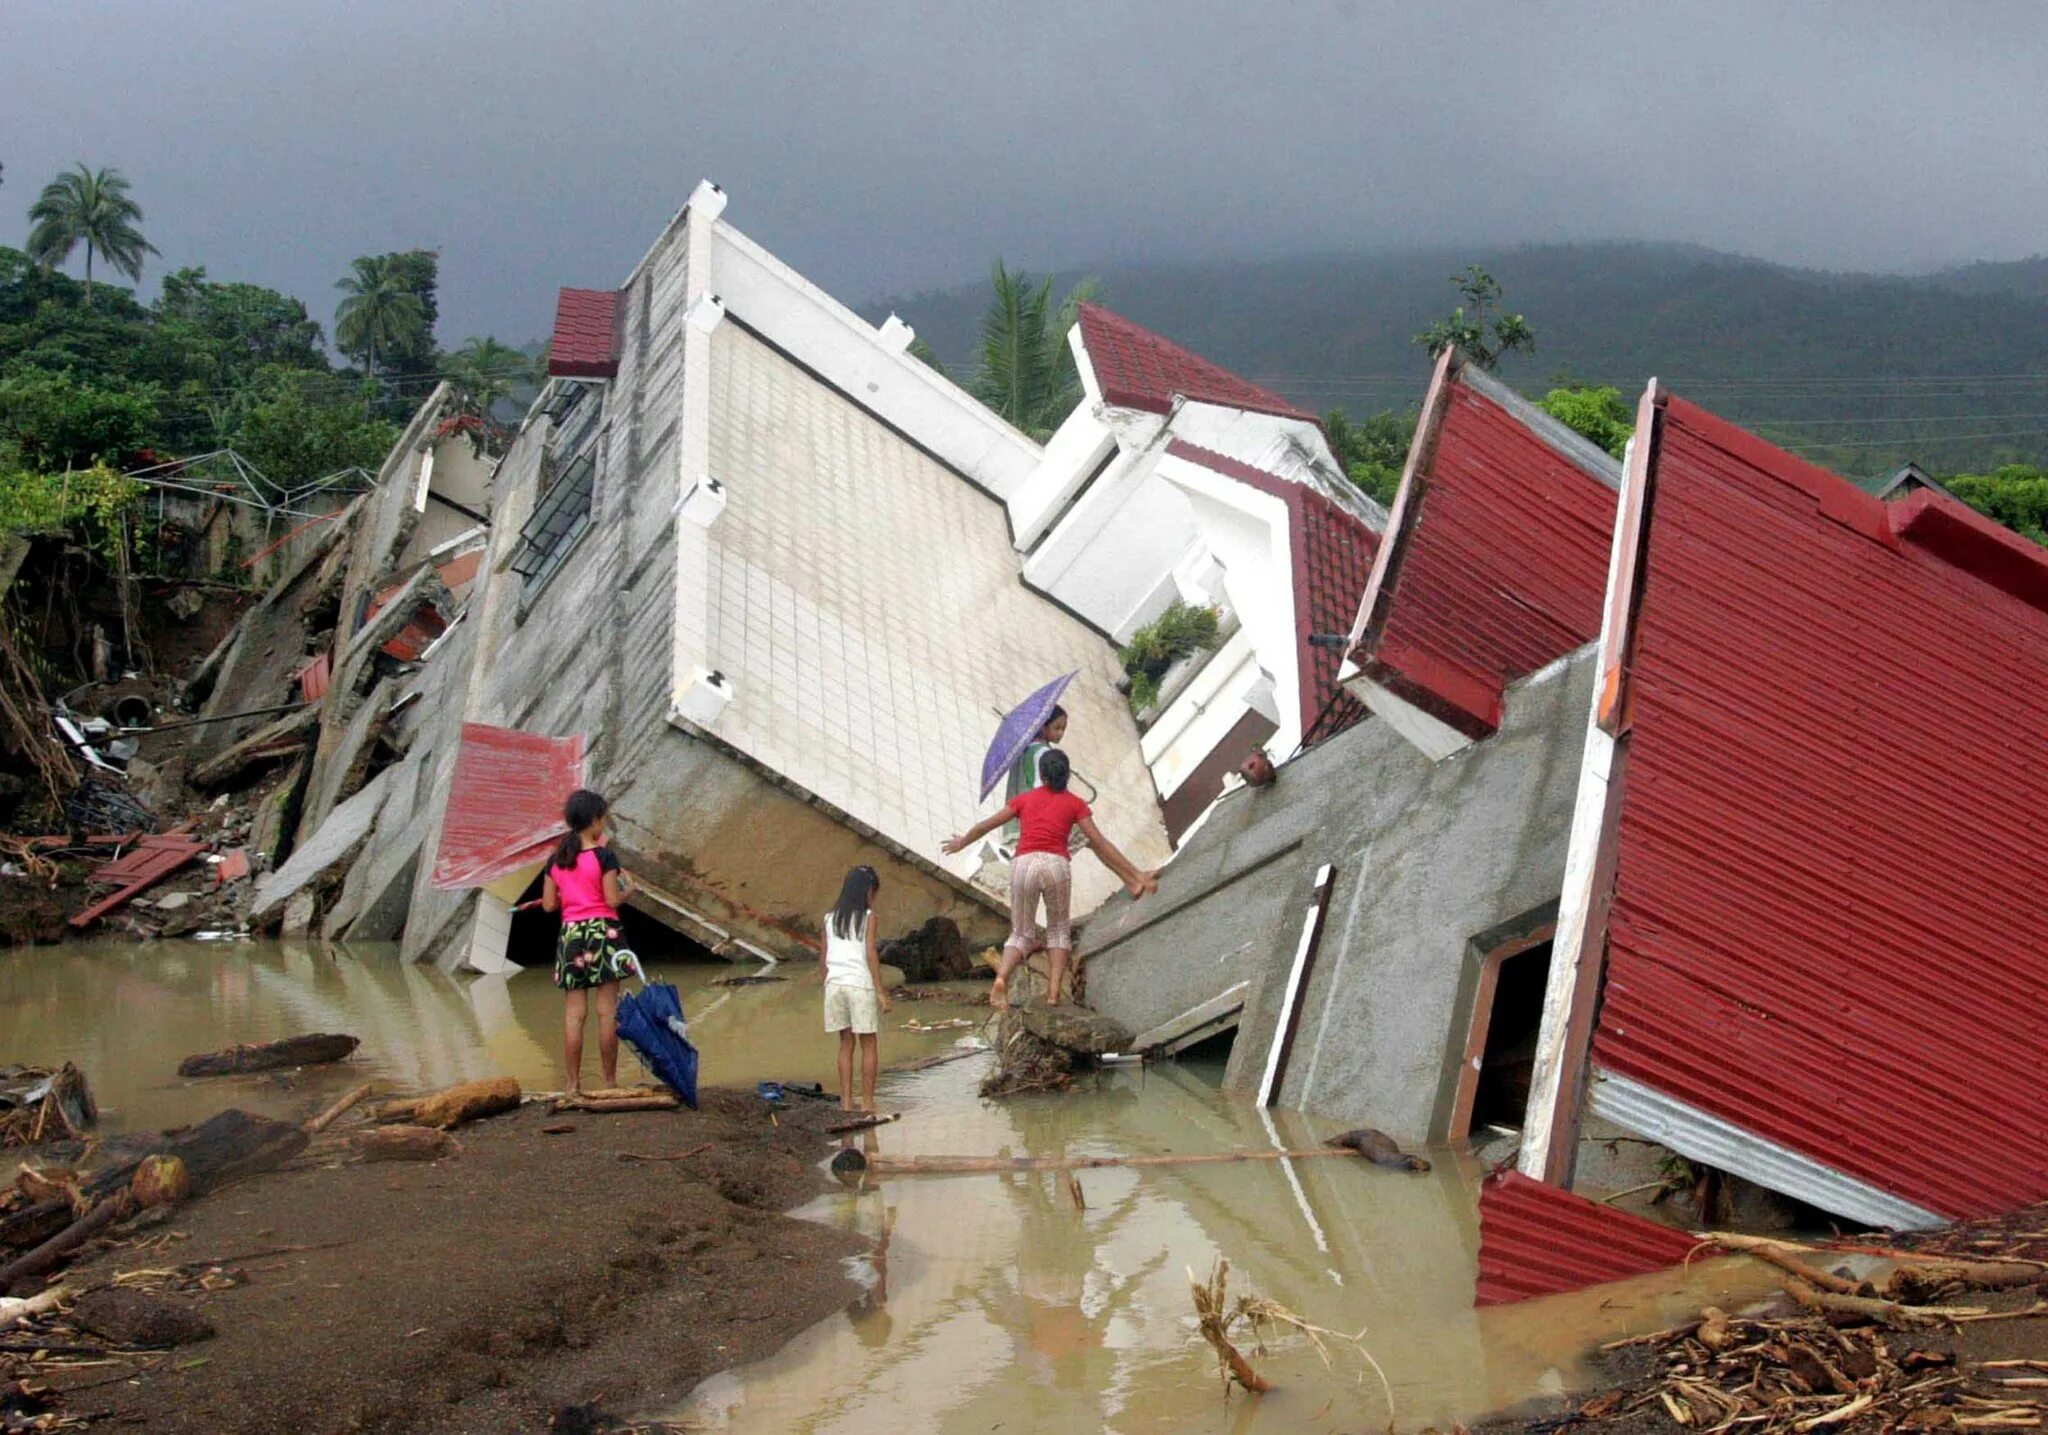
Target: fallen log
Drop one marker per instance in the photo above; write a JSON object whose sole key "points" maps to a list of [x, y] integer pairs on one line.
{"points": [[13, 1311], [643, 1101], [53, 1252], [471, 1101], [335, 1112], [1869, 1309], [405, 1143], [32, 1225], [224, 1148], [851, 1162], [1778, 1254], [862, 1123], [1921, 1284], [315, 1049]]}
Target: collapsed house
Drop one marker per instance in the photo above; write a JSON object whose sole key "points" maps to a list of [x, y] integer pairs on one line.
{"points": [[1360, 922], [748, 568], [1175, 480]]}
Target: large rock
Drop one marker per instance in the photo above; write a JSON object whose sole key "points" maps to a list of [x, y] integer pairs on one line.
{"points": [[1076, 1029], [133, 1317], [935, 952]]}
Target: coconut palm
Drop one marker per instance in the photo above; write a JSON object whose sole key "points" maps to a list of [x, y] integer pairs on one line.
{"points": [[1027, 371], [487, 371], [380, 312], [90, 207]]}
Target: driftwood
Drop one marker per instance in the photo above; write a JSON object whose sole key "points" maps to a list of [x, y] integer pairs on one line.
{"points": [[959, 1165], [221, 1149], [602, 1102], [334, 1113], [13, 1311], [471, 1101], [32, 1225], [405, 1143], [53, 1252], [312, 1050], [1868, 1309], [1779, 1254], [862, 1123]]}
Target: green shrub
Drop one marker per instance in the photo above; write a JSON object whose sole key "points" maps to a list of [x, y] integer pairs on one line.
{"points": [[1182, 629]]}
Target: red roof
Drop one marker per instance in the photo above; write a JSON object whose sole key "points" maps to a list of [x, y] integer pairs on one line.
{"points": [[586, 344], [1137, 369], [1496, 562], [504, 804], [1332, 554], [1827, 909], [1539, 1240]]}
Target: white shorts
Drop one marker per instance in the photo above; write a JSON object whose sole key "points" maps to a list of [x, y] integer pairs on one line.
{"points": [[848, 1007]]}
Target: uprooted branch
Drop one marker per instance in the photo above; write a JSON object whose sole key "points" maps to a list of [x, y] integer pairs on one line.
{"points": [[1261, 1318]]}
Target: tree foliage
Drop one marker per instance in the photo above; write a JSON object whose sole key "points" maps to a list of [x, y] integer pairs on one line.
{"points": [[1373, 450], [1477, 327], [1599, 414], [91, 207], [1026, 371], [380, 313], [2015, 494], [487, 372], [292, 426], [53, 421], [1182, 629]]}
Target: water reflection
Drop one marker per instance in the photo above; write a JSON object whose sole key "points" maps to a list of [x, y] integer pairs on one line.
{"points": [[127, 1012], [998, 1303]]}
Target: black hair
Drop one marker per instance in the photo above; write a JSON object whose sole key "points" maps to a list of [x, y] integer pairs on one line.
{"points": [[1058, 714], [583, 808], [1053, 769], [851, 910]]}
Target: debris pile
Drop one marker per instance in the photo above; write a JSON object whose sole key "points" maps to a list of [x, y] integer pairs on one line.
{"points": [[1039, 1048], [38, 1105]]}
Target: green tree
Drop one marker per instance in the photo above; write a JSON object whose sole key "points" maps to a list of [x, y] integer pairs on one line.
{"points": [[295, 428], [90, 207], [1599, 414], [1374, 450], [56, 422], [2015, 494], [1483, 334], [246, 326], [1027, 372], [486, 372], [418, 271], [380, 311]]}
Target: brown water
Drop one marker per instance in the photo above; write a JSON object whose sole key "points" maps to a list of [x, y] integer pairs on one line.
{"points": [[992, 1302]]}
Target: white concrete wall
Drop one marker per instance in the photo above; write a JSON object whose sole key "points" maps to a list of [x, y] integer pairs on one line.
{"points": [[1203, 713]]}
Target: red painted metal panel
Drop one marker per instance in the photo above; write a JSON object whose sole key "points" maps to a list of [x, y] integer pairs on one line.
{"points": [[1502, 571], [315, 676], [1137, 369], [1535, 1240], [1827, 913], [586, 342], [139, 869], [505, 803], [1331, 552]]}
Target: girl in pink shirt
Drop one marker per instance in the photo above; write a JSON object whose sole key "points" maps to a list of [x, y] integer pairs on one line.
{"points": [[585, 884]]}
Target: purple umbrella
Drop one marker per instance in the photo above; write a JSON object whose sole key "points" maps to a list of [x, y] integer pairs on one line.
{"points": [[1018, 729]]}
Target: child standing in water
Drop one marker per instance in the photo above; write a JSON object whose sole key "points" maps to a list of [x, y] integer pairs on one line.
{"points": [[854, 998], [585, 884], [1046, 817]]}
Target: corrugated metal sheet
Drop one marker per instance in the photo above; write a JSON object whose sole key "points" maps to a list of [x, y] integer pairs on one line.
{"points": [[1137, 369], [1827, 914], [1331, 553], [1500, 563], [504, 804], [316, 675], [137, 870], [586, 341], [1536, 1240]]}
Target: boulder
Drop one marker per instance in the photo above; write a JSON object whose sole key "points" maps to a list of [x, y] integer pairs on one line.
{"points": [[935, 952], [1076, 1029], [133, 1317]]}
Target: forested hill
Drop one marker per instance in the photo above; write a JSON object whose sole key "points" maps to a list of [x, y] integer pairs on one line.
{"points": [[1858, 372]]}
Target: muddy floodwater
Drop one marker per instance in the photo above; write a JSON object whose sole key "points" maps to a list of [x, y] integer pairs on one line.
{"points": [[991, 1301]]}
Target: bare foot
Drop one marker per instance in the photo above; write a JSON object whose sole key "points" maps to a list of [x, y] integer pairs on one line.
{"points": [[999, 994]]}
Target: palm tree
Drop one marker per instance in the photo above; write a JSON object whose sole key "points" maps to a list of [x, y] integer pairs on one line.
{"points": [[379, 312], [487, 371], [90, 206], [1027, 371]]}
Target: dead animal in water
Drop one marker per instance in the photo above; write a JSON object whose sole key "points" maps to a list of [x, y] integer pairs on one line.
{"points": [[1378, 1148]]}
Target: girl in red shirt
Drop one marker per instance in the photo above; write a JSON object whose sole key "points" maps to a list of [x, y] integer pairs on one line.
{"points": [[585, 884], [1046, 817]]}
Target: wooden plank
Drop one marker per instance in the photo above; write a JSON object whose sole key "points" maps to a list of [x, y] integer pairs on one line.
{"points": [[1207, 1018]]}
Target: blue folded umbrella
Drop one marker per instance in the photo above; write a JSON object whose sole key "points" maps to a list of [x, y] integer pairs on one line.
{"points": [[651, 1022]]}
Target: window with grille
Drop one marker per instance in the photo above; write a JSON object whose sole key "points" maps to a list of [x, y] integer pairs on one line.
{"points": [[569, 469]]}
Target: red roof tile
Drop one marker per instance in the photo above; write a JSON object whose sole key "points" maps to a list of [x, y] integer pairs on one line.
{"points": [[1332, 554], [1496, 564], [586, 344], [1137, 369], [1827, 914], [1538, 1240], [504, 804]]}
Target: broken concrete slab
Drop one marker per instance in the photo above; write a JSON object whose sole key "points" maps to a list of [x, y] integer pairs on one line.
{"points": [[320, 860], [274, 740], [342, 758]]}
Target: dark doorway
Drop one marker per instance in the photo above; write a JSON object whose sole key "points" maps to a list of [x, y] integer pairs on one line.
{"points": [[1508, 1061], [534, 932]]}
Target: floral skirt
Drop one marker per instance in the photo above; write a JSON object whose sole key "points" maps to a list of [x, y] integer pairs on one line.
{"points": [[589, 955]]}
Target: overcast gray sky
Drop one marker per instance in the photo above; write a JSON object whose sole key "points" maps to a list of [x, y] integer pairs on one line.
{"points": [[881, 146]]}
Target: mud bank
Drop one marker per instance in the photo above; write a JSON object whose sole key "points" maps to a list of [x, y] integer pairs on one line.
{"points": [[488, 1291]]}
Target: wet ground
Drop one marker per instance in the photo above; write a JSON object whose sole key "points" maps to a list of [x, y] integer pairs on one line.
{"points": [[992, 1301]]}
